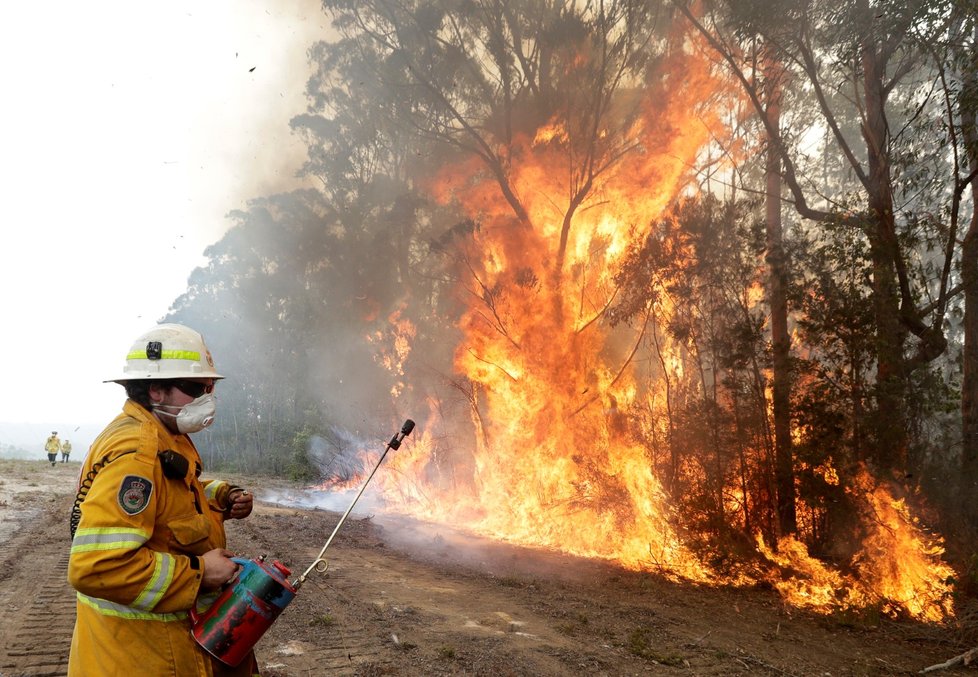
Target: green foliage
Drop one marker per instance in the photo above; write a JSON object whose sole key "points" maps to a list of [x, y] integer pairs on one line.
{"points": [[300, 467], [325, 621], [640, 642]]}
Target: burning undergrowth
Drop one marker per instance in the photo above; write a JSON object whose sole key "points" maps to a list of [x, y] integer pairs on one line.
{"points": [[896, 569]]}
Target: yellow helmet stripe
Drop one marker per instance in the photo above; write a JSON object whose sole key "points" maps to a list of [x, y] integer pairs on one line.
{"points": [[166, 355]]}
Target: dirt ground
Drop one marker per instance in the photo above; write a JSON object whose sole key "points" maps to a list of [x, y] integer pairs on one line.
{"points": [[457, 605]]}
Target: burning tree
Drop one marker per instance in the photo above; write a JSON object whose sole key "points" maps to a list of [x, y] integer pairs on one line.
{"points": [[563, 130]]}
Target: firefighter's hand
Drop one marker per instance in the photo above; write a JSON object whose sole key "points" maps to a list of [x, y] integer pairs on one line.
{"points": [[240, 503], [218, 568]]}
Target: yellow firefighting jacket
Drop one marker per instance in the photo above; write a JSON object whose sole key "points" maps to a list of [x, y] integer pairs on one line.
{"points": [[53, 445], [66, 447], [134, 556]]}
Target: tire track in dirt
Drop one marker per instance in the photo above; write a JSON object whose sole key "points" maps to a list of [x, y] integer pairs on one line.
{"points": [[37, 622]]}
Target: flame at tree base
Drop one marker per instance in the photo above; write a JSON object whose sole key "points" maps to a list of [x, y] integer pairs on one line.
{"points": [[897, 569]]}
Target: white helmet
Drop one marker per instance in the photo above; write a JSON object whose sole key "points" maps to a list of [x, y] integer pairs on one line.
{"points": [[168, 351]]}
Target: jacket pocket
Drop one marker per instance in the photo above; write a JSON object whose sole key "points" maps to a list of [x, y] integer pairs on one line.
{"points": [[191, 533]]}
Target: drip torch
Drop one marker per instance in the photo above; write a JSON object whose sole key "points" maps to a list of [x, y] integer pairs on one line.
{"points": [[258, 592]]}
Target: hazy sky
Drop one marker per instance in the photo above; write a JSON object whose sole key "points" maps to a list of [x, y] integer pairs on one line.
{"points": [[128, 130]]}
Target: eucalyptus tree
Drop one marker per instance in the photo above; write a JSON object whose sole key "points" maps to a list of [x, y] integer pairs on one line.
{"points": [[866, 61], [258, 302], [484, 92], [720, 442]]}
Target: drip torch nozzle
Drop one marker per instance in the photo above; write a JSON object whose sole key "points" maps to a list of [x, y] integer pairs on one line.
{"points": [[406, 429]]}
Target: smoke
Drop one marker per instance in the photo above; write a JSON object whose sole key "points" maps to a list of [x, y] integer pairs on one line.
{"points": [[443, 543], [313, 498], [339, 460], [343, 461], [259, 73]]}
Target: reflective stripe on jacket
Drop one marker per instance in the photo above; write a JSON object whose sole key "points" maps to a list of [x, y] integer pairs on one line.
{"points": [[131, 557]]}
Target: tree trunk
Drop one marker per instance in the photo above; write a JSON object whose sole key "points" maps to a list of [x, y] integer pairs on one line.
{"points": [[969, 382], [777, 298], [890, 448]]}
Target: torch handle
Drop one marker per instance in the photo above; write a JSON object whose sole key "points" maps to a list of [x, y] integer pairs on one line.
{"points": [[395, 443]]}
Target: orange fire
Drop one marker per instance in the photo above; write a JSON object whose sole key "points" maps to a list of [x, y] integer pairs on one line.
{"points": [[550, 466], [898, 569], [394, 346]]}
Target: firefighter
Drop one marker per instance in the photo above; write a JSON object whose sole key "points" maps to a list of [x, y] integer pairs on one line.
{"points": [[65, 451], [148, 539], [53, 447]]}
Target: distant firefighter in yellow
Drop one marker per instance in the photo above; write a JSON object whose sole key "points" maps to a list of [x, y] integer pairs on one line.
{"points": [[53, 447]]}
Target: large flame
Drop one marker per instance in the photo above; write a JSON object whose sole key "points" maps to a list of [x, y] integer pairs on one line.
{"points": [[551, 468]]}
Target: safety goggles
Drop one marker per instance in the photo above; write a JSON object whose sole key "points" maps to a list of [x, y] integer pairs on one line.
{"points": [[193, 388]]}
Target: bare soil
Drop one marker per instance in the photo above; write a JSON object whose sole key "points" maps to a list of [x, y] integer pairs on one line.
{"points": [[456, 605]]}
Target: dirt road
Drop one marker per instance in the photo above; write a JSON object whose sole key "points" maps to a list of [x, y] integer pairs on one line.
{"points": [[455, 606]]}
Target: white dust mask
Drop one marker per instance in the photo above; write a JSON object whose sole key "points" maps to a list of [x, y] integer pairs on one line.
{"points": [[193, 416]]}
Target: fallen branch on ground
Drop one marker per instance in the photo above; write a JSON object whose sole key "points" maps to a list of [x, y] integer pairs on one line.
{"points": [[963, 659]]}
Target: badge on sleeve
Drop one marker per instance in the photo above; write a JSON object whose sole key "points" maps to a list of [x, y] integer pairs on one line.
{"points": [[134, 494]]}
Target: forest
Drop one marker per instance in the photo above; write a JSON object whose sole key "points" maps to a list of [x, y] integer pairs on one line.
{"points": [[687, 286]]}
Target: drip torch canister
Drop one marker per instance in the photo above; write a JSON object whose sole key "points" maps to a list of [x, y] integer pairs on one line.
{"points": [[245, 608], [258, 592]]}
